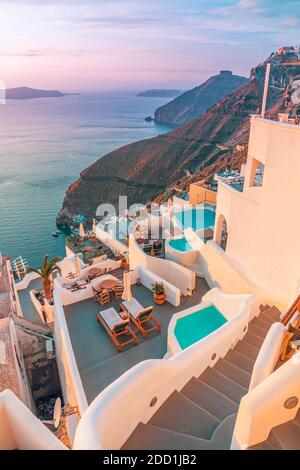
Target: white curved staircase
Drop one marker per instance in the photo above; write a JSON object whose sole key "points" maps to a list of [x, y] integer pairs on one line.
{"points": [[202, 415]]}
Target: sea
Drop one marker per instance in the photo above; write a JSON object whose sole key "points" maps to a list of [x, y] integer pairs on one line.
{"points": [[44, 145]]}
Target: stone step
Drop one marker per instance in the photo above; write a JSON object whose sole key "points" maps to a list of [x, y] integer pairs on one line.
{"points": [[180, 414], [247, 349], [287, 435], [210, 399], [240, 360], [149, 437], [233, 372], [257, 331], [262, 323], [252, 339], [223, 384], [271, 313], [262, 308]]}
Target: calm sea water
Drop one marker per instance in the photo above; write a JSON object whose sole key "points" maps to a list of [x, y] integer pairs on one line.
{"points": [[44, 144]]}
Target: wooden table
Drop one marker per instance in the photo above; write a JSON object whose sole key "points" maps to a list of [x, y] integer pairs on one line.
{"points": [[109, 283], [94, 272]]}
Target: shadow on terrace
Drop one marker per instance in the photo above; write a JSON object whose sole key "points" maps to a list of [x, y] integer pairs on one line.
{"points": [[98, 361]]}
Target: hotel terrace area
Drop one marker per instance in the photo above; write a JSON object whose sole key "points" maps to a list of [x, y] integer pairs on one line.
{"points": [[183, 339], [88, 349]]}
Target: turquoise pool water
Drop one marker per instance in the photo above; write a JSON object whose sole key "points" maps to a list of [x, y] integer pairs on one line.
{"points": [[196, 218], [197, 325], [180, 244]]}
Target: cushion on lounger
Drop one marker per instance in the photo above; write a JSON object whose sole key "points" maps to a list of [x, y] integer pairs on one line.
{"points": [[112, 318]]}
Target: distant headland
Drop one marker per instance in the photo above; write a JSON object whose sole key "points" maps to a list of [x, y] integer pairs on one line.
{"points": [[26, 93], [160, 93]]}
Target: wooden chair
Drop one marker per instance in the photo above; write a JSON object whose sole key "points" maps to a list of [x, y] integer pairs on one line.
{"points": [[140, 315], [116, 327], [147, 249], [102, 296], [118, 291]]}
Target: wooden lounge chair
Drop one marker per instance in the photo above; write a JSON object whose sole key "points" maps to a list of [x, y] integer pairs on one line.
{"points": [[139, 315], [118, 291], [116, 327]]}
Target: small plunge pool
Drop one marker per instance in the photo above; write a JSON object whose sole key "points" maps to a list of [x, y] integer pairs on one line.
{"points": [[198, 218], [180, 244], [197, 325]]}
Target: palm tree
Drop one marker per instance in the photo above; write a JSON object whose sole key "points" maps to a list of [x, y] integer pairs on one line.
{"points": [[47, 269]]}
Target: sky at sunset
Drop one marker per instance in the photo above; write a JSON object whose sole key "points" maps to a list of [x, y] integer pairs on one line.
{"points": [[102, 44]]}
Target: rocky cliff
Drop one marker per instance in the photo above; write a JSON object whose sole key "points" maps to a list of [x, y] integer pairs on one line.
{"points": [[195, 102], [150, 168]]}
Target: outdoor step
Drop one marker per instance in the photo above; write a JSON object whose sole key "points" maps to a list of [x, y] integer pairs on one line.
{"points": [[224, 384], [247, 349], [239, 360], [296, 420], [262, 323], [222, 436], [209, 398], [180, 414], [149, 437], [272, 313], [252, 339], [233, 372], [262, 308], [257, 331], [287, 435], [266, 445]]}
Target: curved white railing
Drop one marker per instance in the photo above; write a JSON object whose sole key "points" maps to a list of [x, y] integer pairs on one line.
{"points": [[138, 393], [272, 402], [184, 258], [268, 355]]}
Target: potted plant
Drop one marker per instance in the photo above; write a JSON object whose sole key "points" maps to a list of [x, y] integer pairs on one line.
{"points": [[159, 293], [45, 272]]}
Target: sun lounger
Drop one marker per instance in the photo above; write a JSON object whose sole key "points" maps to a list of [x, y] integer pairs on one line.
{"points": [[140, 315], [115, 326]]}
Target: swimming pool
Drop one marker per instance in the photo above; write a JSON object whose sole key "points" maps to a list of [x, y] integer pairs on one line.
{"points": [[196, 218], [191, 328], [180, 244]]}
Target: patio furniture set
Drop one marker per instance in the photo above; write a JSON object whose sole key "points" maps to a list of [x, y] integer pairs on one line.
{"points": [[154, 248], [82, 283], [118, 325], [102, 294]]}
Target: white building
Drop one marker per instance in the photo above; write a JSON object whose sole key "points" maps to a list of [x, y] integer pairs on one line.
{"points": [[262, 223]]}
